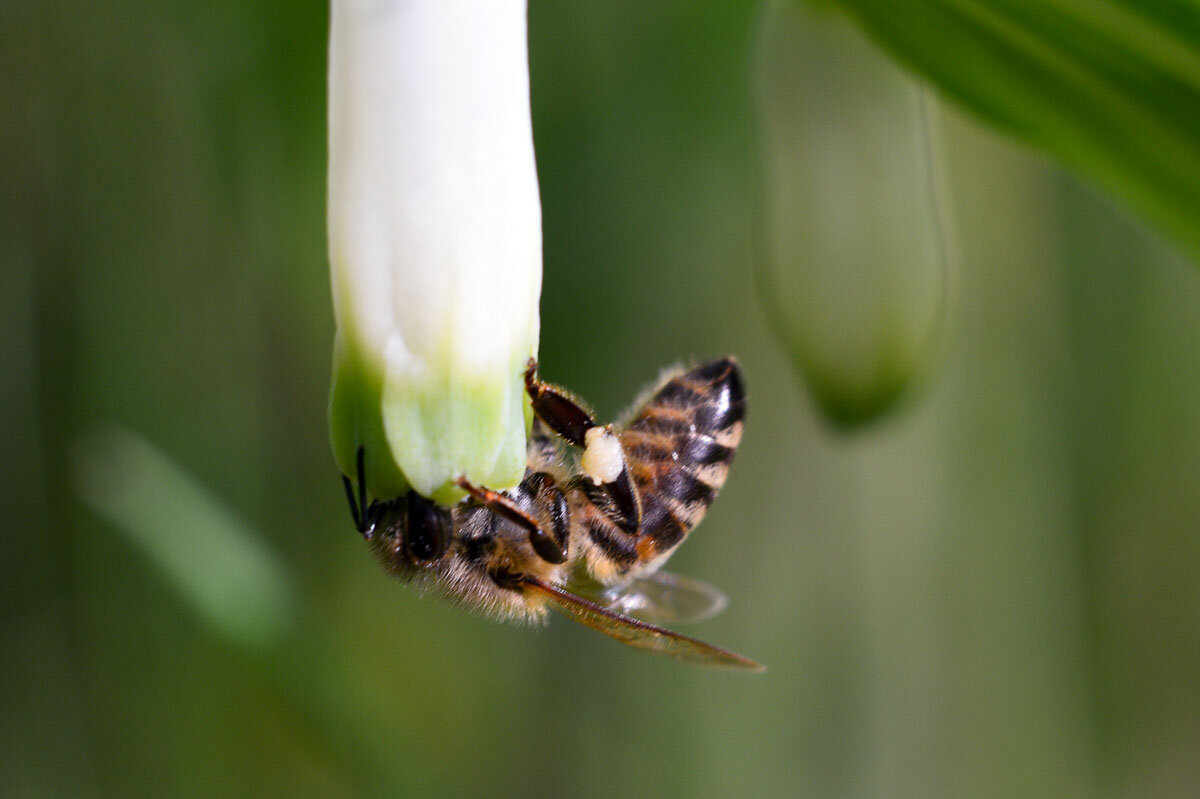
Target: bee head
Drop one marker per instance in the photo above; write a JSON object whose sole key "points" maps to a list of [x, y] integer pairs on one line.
{"points": [[411, 530]]}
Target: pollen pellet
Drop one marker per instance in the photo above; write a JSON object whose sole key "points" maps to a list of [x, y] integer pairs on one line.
{"points": [[602, 460]]}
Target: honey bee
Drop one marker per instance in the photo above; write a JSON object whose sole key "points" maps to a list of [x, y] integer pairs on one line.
{"points": [[600, 509]]}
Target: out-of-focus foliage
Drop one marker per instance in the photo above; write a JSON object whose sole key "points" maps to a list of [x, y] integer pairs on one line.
{"points": [[853, 260], [992, 595], [1109, 87], [216, 564]]}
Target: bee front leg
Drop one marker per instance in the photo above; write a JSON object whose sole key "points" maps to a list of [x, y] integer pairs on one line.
{"points": [[603, 461]]}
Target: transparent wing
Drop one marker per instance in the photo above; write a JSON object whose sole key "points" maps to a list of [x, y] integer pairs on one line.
{"points": [[659, 598], [637, 633]]}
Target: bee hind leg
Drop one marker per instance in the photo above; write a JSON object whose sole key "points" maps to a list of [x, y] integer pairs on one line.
{"points": [[561, 412], [611, 486]]}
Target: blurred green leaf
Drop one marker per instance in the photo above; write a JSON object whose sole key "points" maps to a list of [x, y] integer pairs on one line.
{"points": [[213, 559], [1110, 87]]}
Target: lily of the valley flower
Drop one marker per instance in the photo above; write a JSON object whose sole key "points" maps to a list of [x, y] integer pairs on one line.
{"points": [[434, 241]]}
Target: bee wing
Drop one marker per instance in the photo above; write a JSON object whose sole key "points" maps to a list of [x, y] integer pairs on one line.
{"points": [[659, 598], [637, 633]]}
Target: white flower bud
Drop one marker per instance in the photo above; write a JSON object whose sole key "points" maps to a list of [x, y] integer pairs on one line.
{"points": [[434, 241], [855, 264]]}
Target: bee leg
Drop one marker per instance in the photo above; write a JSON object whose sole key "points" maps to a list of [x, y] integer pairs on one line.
{"points": [[543, 543], [543, 447], [546, 494], [561, 412], [603, 460]]}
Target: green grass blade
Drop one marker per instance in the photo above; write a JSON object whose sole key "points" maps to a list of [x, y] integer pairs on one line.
{"points": [[213, 560]]}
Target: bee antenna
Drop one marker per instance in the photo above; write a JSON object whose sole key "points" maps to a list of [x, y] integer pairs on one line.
{"points": [[362, 491], [358, 525], [358, 504]]}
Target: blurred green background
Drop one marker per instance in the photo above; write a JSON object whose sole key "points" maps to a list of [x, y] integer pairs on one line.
{"points": [[995, 591]]}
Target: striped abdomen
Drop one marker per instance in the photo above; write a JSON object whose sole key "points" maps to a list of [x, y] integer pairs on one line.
{"points": [[678, 446]]}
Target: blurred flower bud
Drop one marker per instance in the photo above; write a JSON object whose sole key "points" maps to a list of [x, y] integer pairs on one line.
{"points": [[434, 241], [853, 271]]}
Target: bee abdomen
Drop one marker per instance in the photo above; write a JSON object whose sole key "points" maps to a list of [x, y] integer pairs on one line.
{"points": [[689, 428], [678, 447]]}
